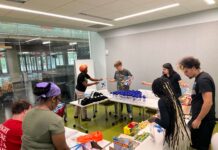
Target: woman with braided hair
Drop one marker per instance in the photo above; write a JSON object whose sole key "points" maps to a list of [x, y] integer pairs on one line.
{"points": [[171, 117]]}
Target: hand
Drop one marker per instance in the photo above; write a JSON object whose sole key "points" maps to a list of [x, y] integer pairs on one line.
{"points": [[152, 119], [96, 82], [196, 124], [111, 80], [185, 85]]}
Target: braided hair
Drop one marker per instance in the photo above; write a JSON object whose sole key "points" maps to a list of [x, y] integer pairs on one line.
{"points": [[177, 132]]}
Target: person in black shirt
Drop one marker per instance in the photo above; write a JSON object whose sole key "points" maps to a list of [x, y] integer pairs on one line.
{"points": [[173, 76], [177, 135], [82, 84], [203, 103]]}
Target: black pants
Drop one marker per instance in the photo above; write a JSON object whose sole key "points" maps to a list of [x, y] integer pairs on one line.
{"points": [[201, 137]]}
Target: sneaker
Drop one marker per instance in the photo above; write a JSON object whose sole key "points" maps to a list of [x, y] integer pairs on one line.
{"points": [[130, 116], [86, 119]]}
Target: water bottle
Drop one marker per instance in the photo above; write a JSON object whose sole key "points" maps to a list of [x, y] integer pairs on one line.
{"points": [[144, 98]]}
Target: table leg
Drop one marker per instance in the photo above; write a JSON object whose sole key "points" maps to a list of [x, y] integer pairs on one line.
{"points": [[143, 113], [78, 124], [119, 113], [106, 113], [94, 111], [96, 108]]}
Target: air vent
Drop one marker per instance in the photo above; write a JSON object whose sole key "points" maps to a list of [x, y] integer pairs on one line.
{"points": [[97, 26], [18, 1], [98, 17]]}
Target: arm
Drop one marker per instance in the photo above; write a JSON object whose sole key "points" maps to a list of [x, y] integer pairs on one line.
{"points": [[89, 84], [183, 83], [59, 141], [164, 115], [93, 79], [180, 81], [111, 80], [207, 104], [146, 83], [86, 84], [58, 134]]}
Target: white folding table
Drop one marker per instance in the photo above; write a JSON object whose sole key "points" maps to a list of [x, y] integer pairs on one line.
{"points": [[78, 104], [72, 134]]}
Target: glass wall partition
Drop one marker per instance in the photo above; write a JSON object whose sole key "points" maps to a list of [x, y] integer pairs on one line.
{"points": [[29, 54]]}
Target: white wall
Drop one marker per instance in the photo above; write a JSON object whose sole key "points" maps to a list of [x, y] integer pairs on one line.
{"points": [[145, 47], [144, 53], [97, 47]]}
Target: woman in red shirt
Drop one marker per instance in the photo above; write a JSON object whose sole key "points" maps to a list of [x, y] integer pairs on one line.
{"points": [[11, 130]]}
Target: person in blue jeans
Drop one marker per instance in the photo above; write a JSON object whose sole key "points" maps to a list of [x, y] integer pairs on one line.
{"points": [[123, 77]]}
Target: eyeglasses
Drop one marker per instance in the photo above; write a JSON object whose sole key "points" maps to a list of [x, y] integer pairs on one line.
{"points": [[58, 99]]}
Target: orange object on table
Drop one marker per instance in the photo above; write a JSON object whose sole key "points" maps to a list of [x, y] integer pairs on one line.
{"points": [[94, 136]]}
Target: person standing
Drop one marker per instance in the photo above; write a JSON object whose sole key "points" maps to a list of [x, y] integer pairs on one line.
{"points": [[174, 78], [177, 135], [203, 103], [82, 84], [11, 130], [123, 77]]}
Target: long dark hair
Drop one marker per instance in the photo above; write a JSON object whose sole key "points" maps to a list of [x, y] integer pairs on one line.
{"points": [[169, 67], [163, 89]]}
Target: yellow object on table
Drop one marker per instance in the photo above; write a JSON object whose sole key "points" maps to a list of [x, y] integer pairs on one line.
{"points": [[131, 129], [143, 124], [127, 130]]}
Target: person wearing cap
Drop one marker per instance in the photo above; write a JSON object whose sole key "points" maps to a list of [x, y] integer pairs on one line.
{"points": [[82, 84], [11, 130], [42, 128], [174, 78]]}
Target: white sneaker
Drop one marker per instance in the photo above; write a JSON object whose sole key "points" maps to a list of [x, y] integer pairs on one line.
{"points": [[130, 116]]}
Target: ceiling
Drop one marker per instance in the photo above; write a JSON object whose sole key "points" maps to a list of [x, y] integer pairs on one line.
{"points": [[98, 10]]}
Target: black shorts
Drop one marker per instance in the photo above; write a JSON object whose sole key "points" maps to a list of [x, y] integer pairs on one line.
{"points": [[201, 137]]}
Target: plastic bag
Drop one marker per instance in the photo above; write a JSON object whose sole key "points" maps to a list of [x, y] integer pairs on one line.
{"points": [[94, 136]]}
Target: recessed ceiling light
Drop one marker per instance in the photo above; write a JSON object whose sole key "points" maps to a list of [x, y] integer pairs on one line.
{"points": [[148, 11], [73, 43], [25, 52], [46, 42], [2, 6], [32, 40], [210, 2], [71, 49]]}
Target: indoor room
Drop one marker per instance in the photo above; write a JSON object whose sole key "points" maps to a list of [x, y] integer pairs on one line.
{"points": [[108, 74]]}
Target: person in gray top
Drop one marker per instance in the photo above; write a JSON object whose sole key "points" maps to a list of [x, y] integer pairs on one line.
{"points": [[123, 77]]}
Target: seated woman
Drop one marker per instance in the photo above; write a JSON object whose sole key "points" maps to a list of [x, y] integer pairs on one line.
{"points": [[177, 135], [42, 128], [11, 130]]}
